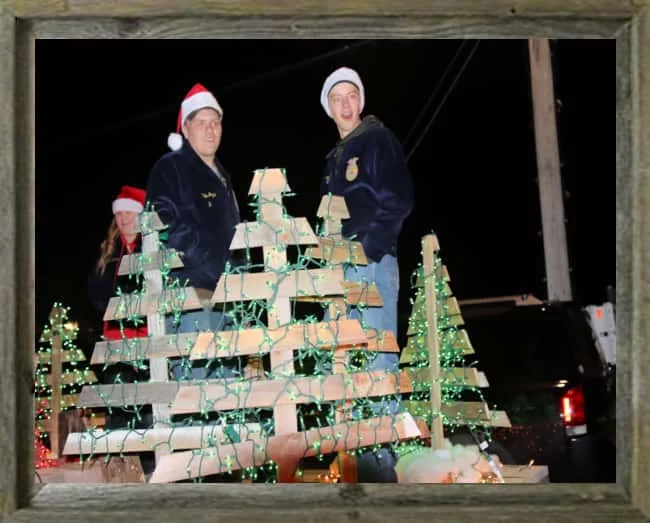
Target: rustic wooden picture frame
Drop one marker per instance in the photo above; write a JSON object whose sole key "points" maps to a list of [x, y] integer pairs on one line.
{"points": [[23, 21]]}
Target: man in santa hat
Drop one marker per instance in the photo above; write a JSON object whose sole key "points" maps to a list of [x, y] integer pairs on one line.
{"points": [[193, 195], [367, 167]]}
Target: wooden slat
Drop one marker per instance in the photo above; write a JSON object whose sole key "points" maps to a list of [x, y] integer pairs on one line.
{"points": [[382, 341], [355, 293], [461, 376], [524, 473], [69, 378], [298, 390], [441, 274], [450, 12], [149, 222], [334, 207], [266, 285], [146, 261], [289, 231], [449, 307], [461, 413], [458, 376], [417, 324], [286, 447], [118, 395], [174, 438], [335, 252], [67, 355], [269, 181], [95, 420], [518, 300], [66, 401], [235, 393], [415, 350], [223, 344], [129, 305]]}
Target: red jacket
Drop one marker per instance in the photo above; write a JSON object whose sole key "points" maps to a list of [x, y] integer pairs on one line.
{"points": [[104, 286]]}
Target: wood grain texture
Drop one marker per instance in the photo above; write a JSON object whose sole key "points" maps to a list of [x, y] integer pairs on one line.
{"points": [[389, 18], [288, 447], [9, 435], [499, 8], [340, 502], [640, 216], [25, 117], [324, 27], [624, 246]]}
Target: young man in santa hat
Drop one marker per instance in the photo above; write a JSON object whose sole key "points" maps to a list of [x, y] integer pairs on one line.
{"points": [[193, 195], [367, 167]]}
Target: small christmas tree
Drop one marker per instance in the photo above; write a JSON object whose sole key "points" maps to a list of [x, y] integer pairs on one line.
{"points": [[58, 378]]}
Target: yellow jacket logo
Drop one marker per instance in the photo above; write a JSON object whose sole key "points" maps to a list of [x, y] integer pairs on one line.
{"points": [[352, 170], [209, 196]]}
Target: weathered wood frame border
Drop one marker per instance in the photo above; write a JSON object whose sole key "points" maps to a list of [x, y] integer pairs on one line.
{"points": [[23, 21]]}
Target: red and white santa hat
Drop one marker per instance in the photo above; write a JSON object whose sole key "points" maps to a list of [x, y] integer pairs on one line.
{"points": [[197, 98], [129, 199], [342, 74]]}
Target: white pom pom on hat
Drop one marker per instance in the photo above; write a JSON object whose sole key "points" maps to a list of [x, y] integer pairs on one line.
{"points": [[129, 199], [197, 98], [174, 141], [342, 74]]}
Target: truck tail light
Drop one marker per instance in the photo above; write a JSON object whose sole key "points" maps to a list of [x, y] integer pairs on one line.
{"points": [[573, 408]]}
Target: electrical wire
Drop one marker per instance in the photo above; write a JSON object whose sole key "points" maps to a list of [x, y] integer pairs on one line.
{"points": [[434, 92], [444, 99], [240, 83]]}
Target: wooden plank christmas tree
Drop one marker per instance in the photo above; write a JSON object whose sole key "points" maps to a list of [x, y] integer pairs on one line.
{"points": [[277, 286], [229, 427], [59, 372], [437, 342], [335, 251]]}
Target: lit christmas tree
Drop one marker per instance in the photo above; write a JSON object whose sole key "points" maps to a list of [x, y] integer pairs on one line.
{"points": [[58, 378]]}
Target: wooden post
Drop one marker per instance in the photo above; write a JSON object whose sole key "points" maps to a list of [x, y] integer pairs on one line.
{"points": [[158, 368], [333, 209], [279, 309], [429, 246], [558, 282], [55, 373]]}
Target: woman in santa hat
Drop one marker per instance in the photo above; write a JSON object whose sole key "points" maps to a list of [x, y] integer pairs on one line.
{"points": [[121, 239], [103, 283]]}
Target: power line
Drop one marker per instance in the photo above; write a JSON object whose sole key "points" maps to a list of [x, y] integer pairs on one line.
{"points": [[444, 99], [170, 107], [435, 91]]}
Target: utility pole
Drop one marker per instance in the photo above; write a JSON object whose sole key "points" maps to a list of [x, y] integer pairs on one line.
{"points": [[558, 282]]}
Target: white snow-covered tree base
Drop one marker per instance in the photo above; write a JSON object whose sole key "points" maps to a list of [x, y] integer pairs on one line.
{"points": [[452, 464]]}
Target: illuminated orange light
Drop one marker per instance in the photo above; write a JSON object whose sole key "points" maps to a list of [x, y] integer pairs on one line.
{"points": [[599, 314], [566, 409]]}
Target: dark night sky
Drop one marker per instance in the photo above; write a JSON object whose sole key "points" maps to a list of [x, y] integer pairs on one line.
{"points": [[104, 110]]}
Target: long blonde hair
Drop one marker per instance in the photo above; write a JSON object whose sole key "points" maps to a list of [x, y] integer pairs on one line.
{"points": [[107, 248]]}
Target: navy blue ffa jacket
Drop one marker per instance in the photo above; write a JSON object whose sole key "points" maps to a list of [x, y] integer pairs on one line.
{"points": [[200, 210], [368, 169]]}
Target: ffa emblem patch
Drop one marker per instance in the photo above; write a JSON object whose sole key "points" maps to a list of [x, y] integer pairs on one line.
{"points": [[352, 170], [209, 196]]}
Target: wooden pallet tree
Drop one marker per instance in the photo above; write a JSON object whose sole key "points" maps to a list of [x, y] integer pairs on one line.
{"points": [[58, 372], [335, 251], [438, 343], [151, 304], [198, 451], [278, 285]]}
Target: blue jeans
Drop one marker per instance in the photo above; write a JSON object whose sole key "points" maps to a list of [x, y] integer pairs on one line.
{"points": [[206, 319], [378, 466]]}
